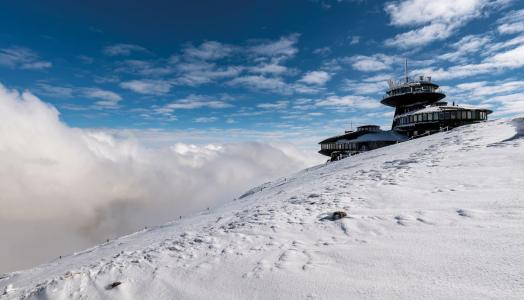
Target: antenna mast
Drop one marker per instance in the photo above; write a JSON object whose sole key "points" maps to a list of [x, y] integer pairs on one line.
{"points": [[406, 69]]}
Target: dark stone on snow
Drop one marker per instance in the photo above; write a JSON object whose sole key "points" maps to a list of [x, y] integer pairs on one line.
{"points": [[338, 215], [113, 285]]}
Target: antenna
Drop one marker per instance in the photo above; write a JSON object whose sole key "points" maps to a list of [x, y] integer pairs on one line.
{"points": [[406, 69]]}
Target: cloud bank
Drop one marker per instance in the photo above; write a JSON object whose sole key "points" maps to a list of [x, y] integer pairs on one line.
{"points": [[64, 189]]}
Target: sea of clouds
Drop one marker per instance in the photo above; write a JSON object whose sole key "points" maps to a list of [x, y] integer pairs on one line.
{"points": [[63, 189]]}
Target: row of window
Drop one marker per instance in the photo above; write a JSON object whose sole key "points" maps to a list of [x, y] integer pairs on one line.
{"points": [[362, 146], [446, 115], [344, 146], [423, 88]]}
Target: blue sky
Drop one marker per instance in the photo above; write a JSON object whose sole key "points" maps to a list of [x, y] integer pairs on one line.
{"points": [[204, 71]]}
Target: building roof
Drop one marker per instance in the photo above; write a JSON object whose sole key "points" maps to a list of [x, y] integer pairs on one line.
{"points": [[384, 136], [367, 136], [433, 108]]}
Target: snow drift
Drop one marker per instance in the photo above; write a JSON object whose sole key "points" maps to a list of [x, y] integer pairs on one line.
{"points": [[437, 217], [65, 189]]}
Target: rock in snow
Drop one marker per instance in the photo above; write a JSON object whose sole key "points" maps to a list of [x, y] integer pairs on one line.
{"points": [[437, 217]]}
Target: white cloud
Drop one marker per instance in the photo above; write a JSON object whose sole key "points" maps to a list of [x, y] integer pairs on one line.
{"points": [[80, 187], [195, 73], [505, 60], [106, 99], [316, 77], [322, 51], [509, 105], [54, 91], [145, 68], [420, 12], [97, 93], [484, 88], [276, 84], [284, 47], [359, 102], [279, 105], [22, 58], [436, 20], [192, 102], [304, 89], [303, 104], [513, 58], [147, 87], [465, 46], [210, 50], [355, 39], [273, 84], [123, 49], [205, 119], [364, 88], [372, 63], [505, 97], [269, 68], [513, 22]]}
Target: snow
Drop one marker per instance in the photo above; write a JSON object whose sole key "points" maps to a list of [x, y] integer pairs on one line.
{"points": [[436, 217], [390, 136], [433, 108]]}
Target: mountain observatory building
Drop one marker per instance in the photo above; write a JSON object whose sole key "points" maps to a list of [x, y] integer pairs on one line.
{"points": [[419, 111]]}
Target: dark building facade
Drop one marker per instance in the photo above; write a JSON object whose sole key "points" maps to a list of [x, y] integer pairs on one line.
{"points": [[365, 138], [419, 111]]}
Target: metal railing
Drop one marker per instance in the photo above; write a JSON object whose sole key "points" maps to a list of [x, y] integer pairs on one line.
{"points": [[413, 92]]}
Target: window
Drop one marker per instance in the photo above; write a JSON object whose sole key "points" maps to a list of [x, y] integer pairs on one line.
{"points": [[464, 115], [469, 115], [430, 117], [435, 116], [446, 116], [453, 115], [424, 117]]}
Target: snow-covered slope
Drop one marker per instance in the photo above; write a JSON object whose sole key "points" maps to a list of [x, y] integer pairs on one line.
{"points": [[437, 217]]}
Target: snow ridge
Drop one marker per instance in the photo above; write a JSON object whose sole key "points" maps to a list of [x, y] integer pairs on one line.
{"points": [[437, 217]]}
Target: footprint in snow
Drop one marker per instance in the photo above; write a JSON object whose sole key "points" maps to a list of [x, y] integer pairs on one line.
{"points": [[464, 213], [293, 259], [404, 219]]}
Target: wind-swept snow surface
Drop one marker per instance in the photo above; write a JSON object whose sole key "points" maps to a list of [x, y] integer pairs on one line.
{"points": [[437, 217]]}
